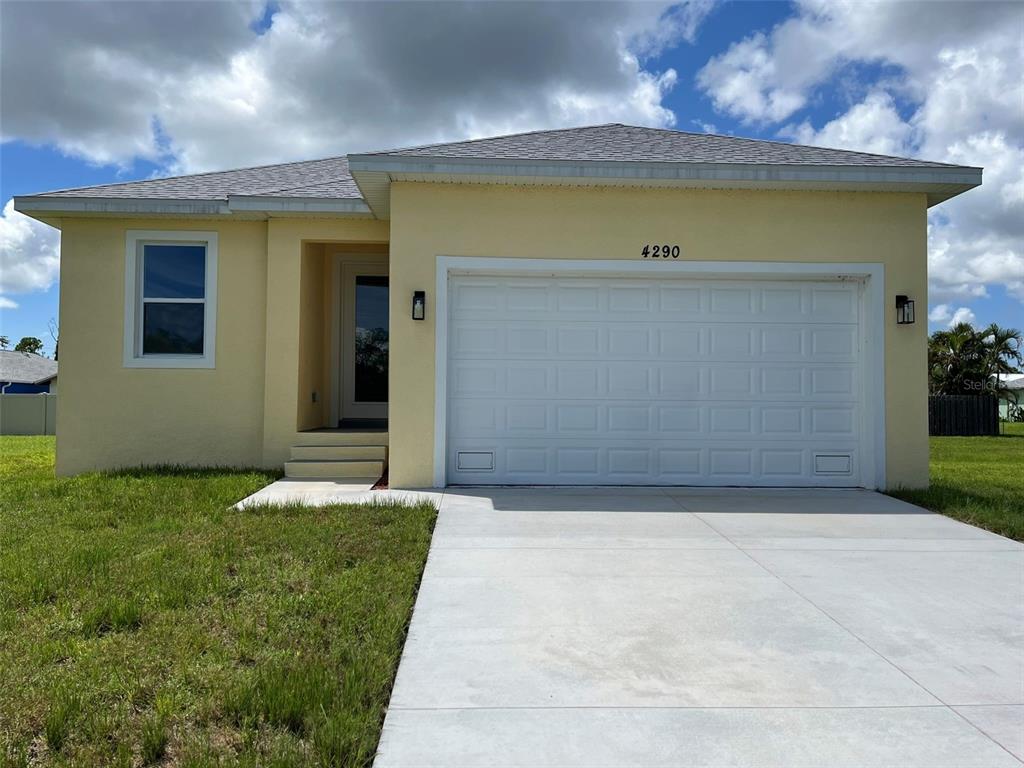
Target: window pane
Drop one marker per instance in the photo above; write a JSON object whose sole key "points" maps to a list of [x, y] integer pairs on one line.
{"points": [[172, 329], [174, 271], [371, 374]]}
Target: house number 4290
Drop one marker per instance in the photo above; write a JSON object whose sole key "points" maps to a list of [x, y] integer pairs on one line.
{"points": [[660, 252]]}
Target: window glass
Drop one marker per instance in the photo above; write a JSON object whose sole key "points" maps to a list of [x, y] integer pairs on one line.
{"points": [[172, 329], [174, 272], [371, 363]]}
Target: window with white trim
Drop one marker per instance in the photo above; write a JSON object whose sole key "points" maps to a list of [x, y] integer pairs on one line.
{"points": [[170, 301]]}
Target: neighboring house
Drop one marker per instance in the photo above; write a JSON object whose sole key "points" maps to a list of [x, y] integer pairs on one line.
{"points": [[24, 376], [24, 373], [601, 305], [1012, 395]]}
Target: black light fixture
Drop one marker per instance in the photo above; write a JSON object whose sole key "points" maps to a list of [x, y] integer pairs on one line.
{"points": [[904, 310], [419, 305]]}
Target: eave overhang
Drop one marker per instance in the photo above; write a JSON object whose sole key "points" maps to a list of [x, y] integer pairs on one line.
{"points": [[51, 207], [375, 173]]}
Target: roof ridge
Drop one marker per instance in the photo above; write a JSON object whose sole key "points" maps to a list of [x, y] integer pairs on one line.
{"points": [[193, 175], [492, 138]]}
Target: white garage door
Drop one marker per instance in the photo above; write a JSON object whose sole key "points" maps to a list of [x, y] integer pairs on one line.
{"points": [[582, 381]]}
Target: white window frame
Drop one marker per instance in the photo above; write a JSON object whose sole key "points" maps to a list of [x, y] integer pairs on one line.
{"points": [[133, 299]]}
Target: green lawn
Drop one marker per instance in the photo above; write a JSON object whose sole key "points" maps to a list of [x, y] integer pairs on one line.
{"points": [[979, 480], [143, 621]]}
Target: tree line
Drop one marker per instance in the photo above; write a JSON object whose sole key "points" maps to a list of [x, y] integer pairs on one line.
{"points": [[29, 344], [964, 360]]}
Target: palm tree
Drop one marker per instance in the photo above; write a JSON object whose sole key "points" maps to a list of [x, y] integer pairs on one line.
{"points": [[965, 361], [1005, 349]]}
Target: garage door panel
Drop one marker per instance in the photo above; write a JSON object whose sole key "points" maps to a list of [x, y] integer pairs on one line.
{"points": [[731, 301], [631, 299], [527, 297], [833, 304], [707, 463], [669, 381], [576, 299], [489, 298], [682, 301], [487, 419], [527, 340], [586, 380], [475, 380], [477, 340]]}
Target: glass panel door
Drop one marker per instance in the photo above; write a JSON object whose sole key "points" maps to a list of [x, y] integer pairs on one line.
{"points": [[364, 361], [371, 329]]}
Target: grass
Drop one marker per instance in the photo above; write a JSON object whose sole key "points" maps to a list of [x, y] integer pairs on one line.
{"points": [[145, 622], [979, 480]]}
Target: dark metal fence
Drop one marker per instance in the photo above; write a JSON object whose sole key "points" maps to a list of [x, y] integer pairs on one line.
{"points": [[963, 415]]}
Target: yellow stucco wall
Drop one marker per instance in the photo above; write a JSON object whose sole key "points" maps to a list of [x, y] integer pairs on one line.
{"points": [[111, 416], [312, 332], [247, 410], [244, 412], [428, 220]]}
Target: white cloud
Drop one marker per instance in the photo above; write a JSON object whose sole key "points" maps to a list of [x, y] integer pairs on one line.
{"points": [[705, 127], [958, 65], [945, 314], [940, 314], [737, 82], [191, 86], [962, 315], [29, 255], [874, 125]]}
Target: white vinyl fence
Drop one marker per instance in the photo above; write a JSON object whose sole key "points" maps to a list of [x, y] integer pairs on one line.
{"points": [[28, 414]]}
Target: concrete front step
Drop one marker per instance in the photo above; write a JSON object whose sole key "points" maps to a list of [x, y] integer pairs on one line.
{"points": [[337, 437], [344, 468], [338, 452]]}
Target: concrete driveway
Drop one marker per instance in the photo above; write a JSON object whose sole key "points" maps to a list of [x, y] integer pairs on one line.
{"points": [[683, 627]]}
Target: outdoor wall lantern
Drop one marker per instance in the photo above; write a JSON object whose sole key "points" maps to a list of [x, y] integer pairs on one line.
{"points": [[904, 311], [419, 305]]}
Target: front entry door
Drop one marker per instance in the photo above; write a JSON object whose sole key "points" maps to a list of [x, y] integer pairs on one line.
{"points": [[364, 360]]}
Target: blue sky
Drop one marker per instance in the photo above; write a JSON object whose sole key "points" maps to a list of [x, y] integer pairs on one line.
{"points": [[765, 70]]}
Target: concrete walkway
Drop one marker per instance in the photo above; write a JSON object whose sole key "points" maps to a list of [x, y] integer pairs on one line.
{"points": [[651, 628], [316, 492]]}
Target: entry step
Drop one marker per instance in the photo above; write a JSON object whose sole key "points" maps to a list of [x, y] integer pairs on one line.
{"points": [[338, 452], [339, 468]]}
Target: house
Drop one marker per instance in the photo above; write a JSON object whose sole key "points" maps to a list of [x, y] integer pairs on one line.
{"points": [[25, 373], [1011, 395], [24, 376], [598, 305]]}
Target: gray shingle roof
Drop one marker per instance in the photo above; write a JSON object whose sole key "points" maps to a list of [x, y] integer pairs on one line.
{"points": [[327, 178], [330, 178], [23, 368], [616, 142]]}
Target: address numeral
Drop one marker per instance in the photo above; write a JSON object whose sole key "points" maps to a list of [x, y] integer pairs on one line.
{"points": [[660, 251]]}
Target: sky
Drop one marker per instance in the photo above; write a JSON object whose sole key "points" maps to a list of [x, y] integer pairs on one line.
{"points": [[94, 92]]}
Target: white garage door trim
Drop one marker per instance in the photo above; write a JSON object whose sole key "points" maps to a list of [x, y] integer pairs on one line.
{"points": [[872, 314]]}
